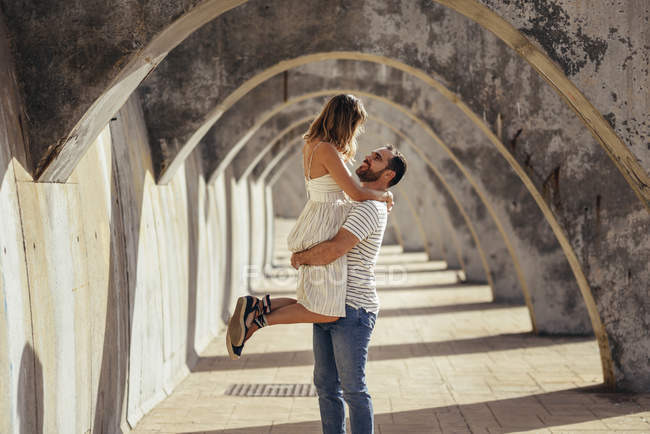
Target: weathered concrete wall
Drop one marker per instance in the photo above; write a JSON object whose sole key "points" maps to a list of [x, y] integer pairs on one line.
{"points": [[553, 317], [289, 195], [588, 44], [240, 236], [110, 284], [321, 76], [603, 48], [21, 375], [101, 42], [405, 214], [431, 231], [269, 226], [545, 184], [565, 202], [258, 235], [255, 125], [265, 142]]}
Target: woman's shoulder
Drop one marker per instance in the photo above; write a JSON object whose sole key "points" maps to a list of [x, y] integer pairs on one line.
{"points": [[321, 148], [321, 144]]}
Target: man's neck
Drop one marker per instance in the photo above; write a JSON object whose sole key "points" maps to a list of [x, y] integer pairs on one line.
{"points": [[374, 185]]}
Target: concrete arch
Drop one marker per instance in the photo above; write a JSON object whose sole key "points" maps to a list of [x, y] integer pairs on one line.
{"points": [[454, 248], [538, 197], [263, 159], [263, 164], [549, 185], [478, 189], [636, 270], [612, 282], [54, 158], [620, 154], [475, 273], [166, 230], [434, 134], [242, 167], [226, 158], [175, 31], [224, 153], [275, 154], [251, 82], [271, 157]]}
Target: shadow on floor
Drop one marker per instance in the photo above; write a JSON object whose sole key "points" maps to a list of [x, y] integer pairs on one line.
{"points": [[587, 406], [284, 292], [440, 286], [436, 310], [484, 344]]}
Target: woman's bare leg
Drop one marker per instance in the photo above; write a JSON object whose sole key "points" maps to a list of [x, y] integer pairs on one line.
{"points": [[288, 311], [277, 303], [296, 313]]}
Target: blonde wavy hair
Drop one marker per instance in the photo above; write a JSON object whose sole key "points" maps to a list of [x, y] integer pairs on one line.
{"points": [[339, 124]]}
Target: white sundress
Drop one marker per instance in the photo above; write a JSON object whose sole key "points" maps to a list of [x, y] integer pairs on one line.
{"points": [[321, 288]]}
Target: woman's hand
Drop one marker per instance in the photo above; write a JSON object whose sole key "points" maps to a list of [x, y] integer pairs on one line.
{"points": [[295, 263], [388, 198]]}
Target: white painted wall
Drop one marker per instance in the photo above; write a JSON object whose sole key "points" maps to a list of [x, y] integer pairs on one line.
{"points": [[110, 285]]}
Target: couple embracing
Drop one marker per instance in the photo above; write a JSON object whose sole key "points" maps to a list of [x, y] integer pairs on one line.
{"points": [[335, 245]]}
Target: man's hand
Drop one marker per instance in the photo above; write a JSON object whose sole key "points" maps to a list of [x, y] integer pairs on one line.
{"points": [[327, 251], [388, 198], [295, 263]]}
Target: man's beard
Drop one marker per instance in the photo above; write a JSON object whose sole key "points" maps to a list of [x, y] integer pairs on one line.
{"points": [[367, 175]]}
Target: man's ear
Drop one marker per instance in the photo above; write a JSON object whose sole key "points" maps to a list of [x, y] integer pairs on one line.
{"points": [[388, 175]]}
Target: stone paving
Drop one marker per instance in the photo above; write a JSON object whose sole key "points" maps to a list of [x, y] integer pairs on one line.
{"points": [[443, 358]]}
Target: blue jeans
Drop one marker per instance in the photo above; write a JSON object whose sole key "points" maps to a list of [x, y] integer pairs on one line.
{"points": [[340, 353]]}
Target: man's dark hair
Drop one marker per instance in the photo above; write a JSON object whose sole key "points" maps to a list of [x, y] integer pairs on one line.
{"points": [[397, 164]]}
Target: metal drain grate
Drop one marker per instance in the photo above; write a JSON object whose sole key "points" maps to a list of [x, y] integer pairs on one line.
{"points": [[271, 390]]}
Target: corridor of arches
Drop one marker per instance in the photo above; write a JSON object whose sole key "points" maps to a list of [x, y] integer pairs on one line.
{"points": [[150, 169]]}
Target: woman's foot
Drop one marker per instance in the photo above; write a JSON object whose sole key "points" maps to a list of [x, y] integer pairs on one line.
{"points": [[234, 352], [265, 304], [245, 312], [247, 318]]}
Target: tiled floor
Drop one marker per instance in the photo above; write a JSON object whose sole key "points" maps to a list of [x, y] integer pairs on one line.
{"points": [[442, 359]]}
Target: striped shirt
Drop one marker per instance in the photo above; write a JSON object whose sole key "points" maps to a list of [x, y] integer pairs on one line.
{"points": [[367, 221]]}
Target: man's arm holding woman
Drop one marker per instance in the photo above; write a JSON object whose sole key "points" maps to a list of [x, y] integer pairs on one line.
{"points": [[327, 251]]}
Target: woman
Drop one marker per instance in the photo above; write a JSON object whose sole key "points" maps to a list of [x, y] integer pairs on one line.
{"points": [[330, 142]]}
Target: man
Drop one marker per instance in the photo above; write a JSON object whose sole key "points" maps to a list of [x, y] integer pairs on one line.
{"points": [[341, 347]]}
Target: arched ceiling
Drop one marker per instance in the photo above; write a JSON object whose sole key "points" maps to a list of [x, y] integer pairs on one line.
{"points": [[251, 152], [592, 191], [533, 225], [547, 195], [446, 44]]}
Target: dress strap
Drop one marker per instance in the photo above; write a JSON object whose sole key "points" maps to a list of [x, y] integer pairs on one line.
{"points": [[311, 157]]}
